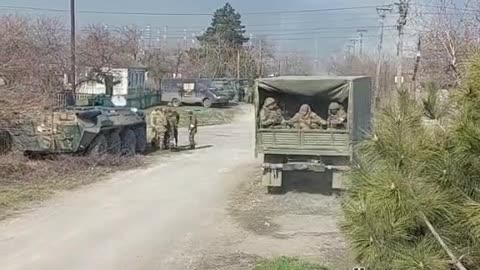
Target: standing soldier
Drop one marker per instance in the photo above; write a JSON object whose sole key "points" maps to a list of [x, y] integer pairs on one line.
{"points": [[159, 124], [337, 117], [173, 118], [192, 129]]}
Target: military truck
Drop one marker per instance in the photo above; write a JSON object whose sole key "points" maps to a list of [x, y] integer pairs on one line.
{"points": [[89, 130], [326, 152]]}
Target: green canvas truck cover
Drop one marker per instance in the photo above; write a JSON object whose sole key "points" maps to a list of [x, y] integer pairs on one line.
{"points": [[354, 92], [333, 88]]}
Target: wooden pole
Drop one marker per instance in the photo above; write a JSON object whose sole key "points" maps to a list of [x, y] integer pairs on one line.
{"points": [[72, 49]]}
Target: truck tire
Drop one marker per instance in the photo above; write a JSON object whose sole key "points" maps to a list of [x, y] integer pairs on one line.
{"points": [[114, 144], [141, 140], [129, 142], [98, 147], [176, 102], [207, 103]]}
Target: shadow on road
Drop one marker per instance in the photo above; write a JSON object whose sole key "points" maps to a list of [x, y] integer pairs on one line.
{"points": [[181, 148]]}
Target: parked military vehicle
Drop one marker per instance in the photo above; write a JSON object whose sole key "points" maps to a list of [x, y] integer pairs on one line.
{"points": [[326, 153], [192, 91], [228, 87], [91, 130]]}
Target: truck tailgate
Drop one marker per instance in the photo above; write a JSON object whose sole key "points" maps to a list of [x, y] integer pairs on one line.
{"points": [[303, 142]]}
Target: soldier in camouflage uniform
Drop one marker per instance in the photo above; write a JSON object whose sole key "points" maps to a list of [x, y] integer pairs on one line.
{"points": [[306, 119], [173, 118], [159, 124], [192, 129], [270, 114], [337, 117]]}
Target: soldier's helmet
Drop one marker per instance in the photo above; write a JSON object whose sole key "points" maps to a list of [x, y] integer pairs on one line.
{"points": [[334, 106], [269, 101]]}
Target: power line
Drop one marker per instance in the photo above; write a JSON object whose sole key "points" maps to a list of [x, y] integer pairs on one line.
{"points": [[183, 14], [309, 10], [403, 7]]}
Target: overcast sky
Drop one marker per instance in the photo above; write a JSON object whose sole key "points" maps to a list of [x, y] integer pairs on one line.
{"points": [[322, 32]]}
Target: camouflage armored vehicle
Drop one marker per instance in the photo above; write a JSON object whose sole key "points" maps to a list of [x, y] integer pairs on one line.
{"points": [[92, 130], [326, 153]]}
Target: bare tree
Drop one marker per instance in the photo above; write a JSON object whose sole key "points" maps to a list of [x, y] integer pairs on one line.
{"points": [[449, 36], [32, 64], [131, 42], [340, 64], [99, 51]]}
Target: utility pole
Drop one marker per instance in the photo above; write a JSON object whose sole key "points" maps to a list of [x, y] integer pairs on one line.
{"points": [[382, 12], [360, 34], [354, 44], [165, 36], [184, 39], [238, 62], [415, 69], [403, 6], [260, 63], [348, 51], [316, 55], [149, 36], [72, 48]]}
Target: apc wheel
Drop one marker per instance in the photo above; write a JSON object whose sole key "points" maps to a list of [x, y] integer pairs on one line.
{"points": [[176, 102], [207, 103], [129, 142], [98, 147], [141, 140], [114, 144]]}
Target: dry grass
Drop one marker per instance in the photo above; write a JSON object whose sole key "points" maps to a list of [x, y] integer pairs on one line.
{"points": [[24, 181]]}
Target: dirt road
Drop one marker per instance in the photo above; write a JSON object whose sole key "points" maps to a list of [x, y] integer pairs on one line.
{"points": [[202, 210], [136, 220]]}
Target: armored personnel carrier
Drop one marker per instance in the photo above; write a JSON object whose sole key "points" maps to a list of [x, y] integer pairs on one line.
{"points": [[92, 130]]}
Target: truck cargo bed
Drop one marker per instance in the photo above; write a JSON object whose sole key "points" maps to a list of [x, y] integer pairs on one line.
{"points": [[304, 142]]}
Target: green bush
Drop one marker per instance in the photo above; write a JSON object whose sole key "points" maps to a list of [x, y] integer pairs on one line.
{"points": [[414, 200], [285, 263]]}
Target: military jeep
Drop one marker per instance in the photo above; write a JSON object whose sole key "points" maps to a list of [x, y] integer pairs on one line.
{"points": [[324, 152]]}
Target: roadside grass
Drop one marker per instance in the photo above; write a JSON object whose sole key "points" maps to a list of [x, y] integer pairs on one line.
{"points": [[24, 181], [287, 263]]}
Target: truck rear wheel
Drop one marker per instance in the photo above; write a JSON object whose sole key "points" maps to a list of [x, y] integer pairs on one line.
{"points": [[98, 147], [129, 142], [141, 139]]}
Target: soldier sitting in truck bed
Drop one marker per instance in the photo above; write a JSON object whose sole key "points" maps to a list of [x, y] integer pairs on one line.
{"points": [[306, 119], [270, 114], [337, 117]]}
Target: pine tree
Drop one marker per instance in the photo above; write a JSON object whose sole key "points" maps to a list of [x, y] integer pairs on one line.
{"points": [[414, 201], [226, 28]]}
